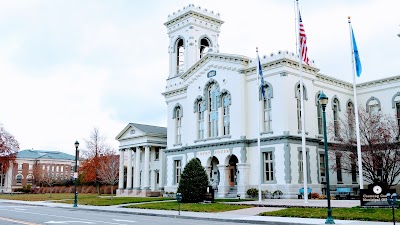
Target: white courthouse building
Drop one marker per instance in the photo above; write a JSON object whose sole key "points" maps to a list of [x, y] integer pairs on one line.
{"points": [[213, 101]]}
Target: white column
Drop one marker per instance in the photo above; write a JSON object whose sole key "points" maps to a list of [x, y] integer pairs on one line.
{"points": [[153, 180], [206, 125], [220, 121], [129, 170], [136, 179], [121, 170], [243, 176], [146, 167], [162, 161], [223, 187]]}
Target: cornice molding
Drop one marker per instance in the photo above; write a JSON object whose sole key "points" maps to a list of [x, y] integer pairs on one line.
{"points": [[333, 81], [379, 82], [243, 142], [175, 92], [280, 63]]}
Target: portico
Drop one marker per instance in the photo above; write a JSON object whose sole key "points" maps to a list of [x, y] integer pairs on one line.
{"points": [[141, 160]]}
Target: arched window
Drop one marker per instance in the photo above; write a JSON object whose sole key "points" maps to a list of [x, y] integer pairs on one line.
{"points": [[205, 45], [19, 178], [350, 118], [335, 109], [180, 56], [226, 103], [319, 114], [267, 118], [396, 106], [200, 107], [373, 105], [213, 94], [178, 123], [298, 101], [29, 179]]}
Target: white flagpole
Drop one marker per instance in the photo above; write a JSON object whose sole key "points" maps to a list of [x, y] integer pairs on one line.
{"points": [[258, 136], [303, 132], [360, 169]]}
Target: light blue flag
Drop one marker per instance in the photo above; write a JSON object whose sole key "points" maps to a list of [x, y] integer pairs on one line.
{"points": [[356, 55]]}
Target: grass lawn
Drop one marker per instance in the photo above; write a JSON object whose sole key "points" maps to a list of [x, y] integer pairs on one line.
{"points": [[83, 199], [192, 207], [105, 201], [356, 213], [43, 197]]}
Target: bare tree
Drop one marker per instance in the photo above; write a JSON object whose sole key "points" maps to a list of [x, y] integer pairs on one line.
{"points": [[380, 146], [108, 170], [48, 178], [96, 147], [8, 150]]}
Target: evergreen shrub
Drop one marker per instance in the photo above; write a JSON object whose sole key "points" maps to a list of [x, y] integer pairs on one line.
{"points": [[193, 182]]}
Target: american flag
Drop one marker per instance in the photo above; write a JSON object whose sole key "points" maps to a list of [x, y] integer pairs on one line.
{"points": [[303, 41]]}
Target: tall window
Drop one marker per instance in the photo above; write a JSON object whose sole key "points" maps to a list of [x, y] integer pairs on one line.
{"points": [[398, 114], [157, 153], [19, 179], [200, 107], [178, 124], [298, 101], [227, 111], [353, 170], [319, 117], [267, 109], [336, 116], [177, 171], [350, 118], [301, 177], [204, 46], [180, 56], [322, 169], [268, 167], [339, 169], [213, 113]]}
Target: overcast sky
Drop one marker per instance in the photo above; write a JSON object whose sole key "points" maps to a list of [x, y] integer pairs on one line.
{"points": [[69, 66]]}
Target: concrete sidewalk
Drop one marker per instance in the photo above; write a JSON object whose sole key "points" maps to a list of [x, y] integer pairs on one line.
{"points": [[243, 216]]}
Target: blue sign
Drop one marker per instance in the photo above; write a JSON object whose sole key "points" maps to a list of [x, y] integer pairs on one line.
{"points": [[211, 73]]}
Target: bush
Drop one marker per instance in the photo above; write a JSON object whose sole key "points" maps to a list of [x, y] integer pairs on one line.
{"points": [[277, 193], [194, 182], [253, 192], [314, 195]]}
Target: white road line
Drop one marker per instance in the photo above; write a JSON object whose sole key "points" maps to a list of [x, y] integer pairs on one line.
{"points": [[67, 222], [129, 221], [65, 217]]}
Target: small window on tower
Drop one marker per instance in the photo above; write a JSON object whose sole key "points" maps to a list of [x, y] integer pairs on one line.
{"points": [[204, 46]]}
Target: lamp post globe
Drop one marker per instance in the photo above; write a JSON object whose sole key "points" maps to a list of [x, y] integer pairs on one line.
{"points": [[323, 101], [76, 174]]}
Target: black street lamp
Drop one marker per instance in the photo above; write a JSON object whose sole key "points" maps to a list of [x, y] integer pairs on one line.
{"points": [[323, 101], [392, 200], [76, 174]]}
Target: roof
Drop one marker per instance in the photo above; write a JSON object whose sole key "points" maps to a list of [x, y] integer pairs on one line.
{"points": [[149, 129], [44, 154]]}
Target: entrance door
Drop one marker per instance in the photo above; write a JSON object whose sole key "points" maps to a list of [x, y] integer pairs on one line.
{"points": [[232, 176]]}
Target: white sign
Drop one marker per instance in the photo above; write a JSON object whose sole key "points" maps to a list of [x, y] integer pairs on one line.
{"points": [[75, 175]]}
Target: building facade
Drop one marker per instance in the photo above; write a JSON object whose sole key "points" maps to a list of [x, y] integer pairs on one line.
{"points": [[32, 167], [216, 110]]}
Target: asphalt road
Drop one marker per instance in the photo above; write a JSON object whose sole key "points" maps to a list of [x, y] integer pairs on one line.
{"points": [[35, 215]]}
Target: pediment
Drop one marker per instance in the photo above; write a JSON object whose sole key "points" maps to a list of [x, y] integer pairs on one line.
{"points": [[129, 131]]}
